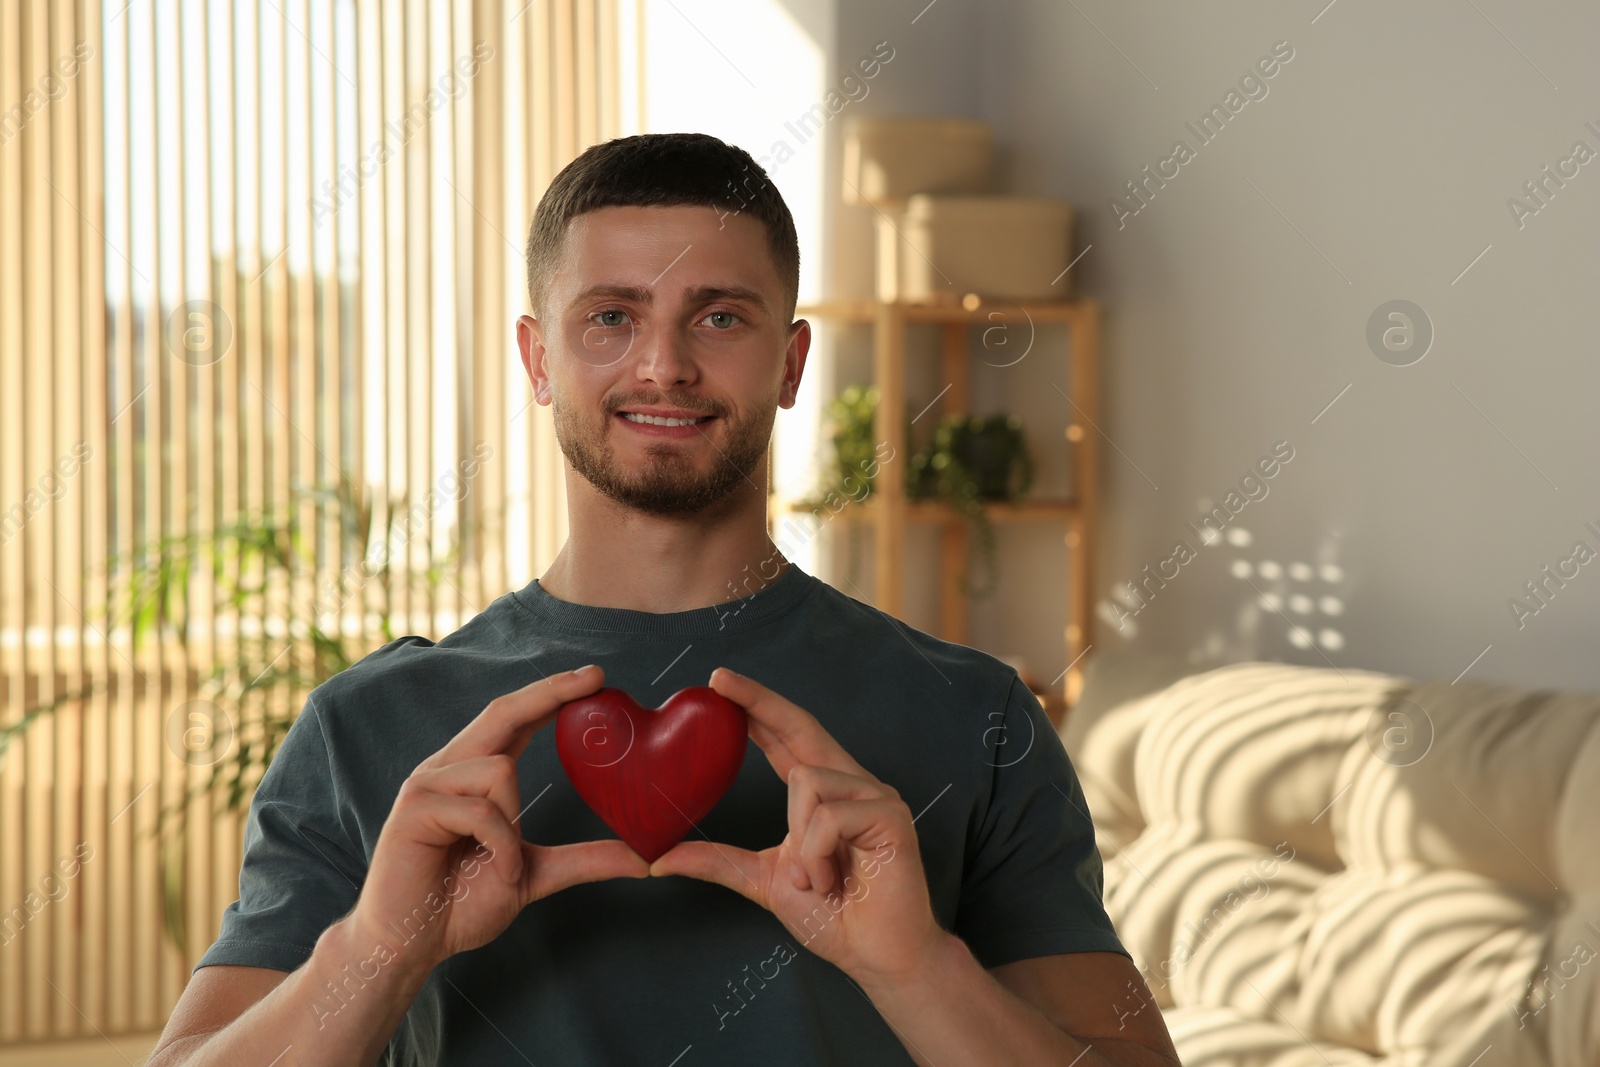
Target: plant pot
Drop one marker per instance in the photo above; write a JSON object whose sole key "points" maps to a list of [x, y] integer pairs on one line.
{"points": [[992, 452]]}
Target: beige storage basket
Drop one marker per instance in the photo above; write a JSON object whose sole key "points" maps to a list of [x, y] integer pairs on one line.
{"points": [[1000, 247], [887, 160]]}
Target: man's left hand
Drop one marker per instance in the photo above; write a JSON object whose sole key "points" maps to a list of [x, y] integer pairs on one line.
{"points": [[847, 880]]}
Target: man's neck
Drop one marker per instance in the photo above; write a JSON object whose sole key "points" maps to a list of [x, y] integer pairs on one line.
{"points": [[616, 557]]}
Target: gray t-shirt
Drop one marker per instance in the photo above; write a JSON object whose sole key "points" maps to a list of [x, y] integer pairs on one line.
{"points": [[675, 970]]}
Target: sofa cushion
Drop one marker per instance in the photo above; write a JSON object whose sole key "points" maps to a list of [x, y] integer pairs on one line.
{"points": [[1253, 751], [1221, 1037], [1482, 790], [1325, 867]]}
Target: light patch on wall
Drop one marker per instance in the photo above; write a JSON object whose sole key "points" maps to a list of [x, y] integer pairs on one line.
{"points": [[1272, 602]]}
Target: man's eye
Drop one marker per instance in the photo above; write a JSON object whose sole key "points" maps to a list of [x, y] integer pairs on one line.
{"points": [[620, 320], [722, 320]]}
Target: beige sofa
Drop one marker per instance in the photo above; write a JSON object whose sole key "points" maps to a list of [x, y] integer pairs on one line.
{"points": [[1327, 867]]}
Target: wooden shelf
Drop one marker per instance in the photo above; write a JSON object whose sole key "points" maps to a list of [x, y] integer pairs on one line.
{"points": [[1042, 509], [865, 312], [890, 513]]}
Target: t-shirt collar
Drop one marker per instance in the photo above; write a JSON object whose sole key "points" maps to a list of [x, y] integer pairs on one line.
{"points": [[771, 598]]}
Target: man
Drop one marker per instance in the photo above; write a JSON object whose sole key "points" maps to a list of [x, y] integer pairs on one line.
{"points": [[904, 870]]}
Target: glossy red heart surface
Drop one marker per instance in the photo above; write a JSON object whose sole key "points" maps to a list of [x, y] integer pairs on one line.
{"points": [[651, 774]]}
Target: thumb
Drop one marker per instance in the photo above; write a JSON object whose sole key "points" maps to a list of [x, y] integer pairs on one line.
{"points": [[737, 869]]}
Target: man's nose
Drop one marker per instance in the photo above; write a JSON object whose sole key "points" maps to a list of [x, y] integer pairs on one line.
{"points": [[666, 359]]}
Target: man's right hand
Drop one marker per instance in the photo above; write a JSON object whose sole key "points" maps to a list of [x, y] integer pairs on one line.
{"points": [[451, 869]]}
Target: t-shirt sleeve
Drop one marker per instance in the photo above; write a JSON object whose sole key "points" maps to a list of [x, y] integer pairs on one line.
{"points": [[1033, 881], [301, 872]]}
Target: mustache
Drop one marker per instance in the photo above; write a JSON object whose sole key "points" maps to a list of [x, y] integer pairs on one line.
{"points": [[698, 405]]}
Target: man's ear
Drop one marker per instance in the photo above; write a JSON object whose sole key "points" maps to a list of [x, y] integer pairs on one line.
{"points": [[530, 341], [794, 362]]}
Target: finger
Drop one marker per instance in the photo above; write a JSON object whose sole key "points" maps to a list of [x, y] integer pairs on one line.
{"points": [[861, 824], [442, 819], [798, 730], [737, 869], [778, 754], [810, 786], [494, 777], [556, 867], [511, 720]]}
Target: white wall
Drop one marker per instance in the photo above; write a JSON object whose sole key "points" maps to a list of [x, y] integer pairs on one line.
{"points": [[1377, 167]]}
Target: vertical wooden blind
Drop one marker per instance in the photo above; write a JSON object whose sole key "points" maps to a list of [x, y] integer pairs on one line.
{"points": [[249, 250]]}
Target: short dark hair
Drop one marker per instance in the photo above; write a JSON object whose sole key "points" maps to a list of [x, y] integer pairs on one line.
{"points": [[661, 169]]}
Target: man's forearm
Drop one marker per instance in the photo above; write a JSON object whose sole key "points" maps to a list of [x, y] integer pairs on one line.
{"points": [[954, 1011], [338, 1008]]}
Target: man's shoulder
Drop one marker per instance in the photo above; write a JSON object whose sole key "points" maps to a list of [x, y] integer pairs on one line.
{"points": [[461, 665], [963, 671], [858, 615]]}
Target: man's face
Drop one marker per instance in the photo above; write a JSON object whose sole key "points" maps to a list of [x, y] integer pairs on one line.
{"points": [[659, 313]]}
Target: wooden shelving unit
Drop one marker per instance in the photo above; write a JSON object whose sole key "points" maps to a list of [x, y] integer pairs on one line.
{"points": [[890, 512]]}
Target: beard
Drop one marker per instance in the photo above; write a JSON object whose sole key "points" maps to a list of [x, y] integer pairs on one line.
{"points": [[667, 482]]}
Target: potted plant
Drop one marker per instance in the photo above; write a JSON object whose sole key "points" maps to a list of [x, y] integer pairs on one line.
{"points": [[971, 461]]}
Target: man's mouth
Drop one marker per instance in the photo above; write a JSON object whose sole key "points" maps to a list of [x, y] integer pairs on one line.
{"points": [[659, 420]]}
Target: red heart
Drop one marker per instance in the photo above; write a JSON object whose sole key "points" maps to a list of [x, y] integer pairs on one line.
{"points": [[652, 773]]}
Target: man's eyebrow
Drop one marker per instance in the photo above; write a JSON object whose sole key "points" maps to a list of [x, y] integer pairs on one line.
{"points": [[702, 295], [635, 293], [707, 293]]}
